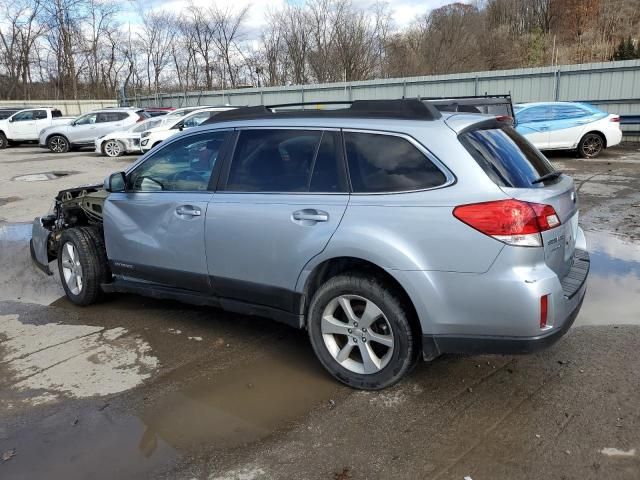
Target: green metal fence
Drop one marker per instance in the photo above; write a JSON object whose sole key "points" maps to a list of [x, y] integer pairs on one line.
{"points": [[612, 86]]}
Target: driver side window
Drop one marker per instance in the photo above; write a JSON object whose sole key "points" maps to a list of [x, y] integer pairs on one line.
{"points": [[23, 116], [87, 119], [183, 165]]}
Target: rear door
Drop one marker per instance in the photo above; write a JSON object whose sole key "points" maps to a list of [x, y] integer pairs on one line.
{"points": [[283, 197], [155, 231], [511, 162], [41, 121], [568, 123], [108, 122], [534, 123]]}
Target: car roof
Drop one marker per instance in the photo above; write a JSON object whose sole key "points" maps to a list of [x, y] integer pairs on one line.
{"points": [[544, 104]]}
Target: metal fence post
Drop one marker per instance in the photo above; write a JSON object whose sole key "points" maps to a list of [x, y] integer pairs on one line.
{"points": [[476, 82], [557, 92]]}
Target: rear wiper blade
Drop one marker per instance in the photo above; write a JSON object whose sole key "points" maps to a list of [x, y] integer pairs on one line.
{"points": [[548, 176]]}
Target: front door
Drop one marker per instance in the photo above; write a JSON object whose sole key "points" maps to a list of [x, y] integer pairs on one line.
{"points": [[23, 126], [534, 124], [155, 231], [84, 129], [283, 199]]}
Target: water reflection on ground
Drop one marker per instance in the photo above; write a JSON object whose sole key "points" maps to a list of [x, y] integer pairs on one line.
{"points": [[613, 292]]}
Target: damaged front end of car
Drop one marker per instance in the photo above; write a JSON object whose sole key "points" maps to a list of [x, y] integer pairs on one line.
{"points": [[81, 206]]}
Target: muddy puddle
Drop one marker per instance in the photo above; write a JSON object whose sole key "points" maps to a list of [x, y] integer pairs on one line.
{"points": [[42, 177], [242, 404], [218, 409], [613, 292]]}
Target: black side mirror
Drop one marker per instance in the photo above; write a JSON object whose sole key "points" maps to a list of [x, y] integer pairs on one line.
{"points": [[11, 120], [116, 182]]}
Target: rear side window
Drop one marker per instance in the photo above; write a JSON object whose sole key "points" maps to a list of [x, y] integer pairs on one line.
{"points": [[104, 117], [386, 163], [56, 113], [282, 160], [562, 112], [506, 157]]}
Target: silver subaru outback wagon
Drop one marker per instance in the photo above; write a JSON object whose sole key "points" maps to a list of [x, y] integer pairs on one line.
{"points": [[384, 229]]}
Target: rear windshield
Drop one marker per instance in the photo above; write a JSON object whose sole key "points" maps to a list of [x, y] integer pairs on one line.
{"points": [[507, 157]]}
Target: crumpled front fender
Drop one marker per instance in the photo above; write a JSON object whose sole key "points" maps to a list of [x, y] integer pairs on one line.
{"points": [[39, 246]]}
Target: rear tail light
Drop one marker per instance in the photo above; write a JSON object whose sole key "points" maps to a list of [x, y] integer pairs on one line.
{"points": [[140, 119], [615, 119], [504, 118], [544, 309], [513, 222]]}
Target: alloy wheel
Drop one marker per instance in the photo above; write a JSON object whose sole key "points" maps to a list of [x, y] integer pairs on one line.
{"points": [[112, 148], [71, 268], [357, 334], [592, 145], [58, 144]]}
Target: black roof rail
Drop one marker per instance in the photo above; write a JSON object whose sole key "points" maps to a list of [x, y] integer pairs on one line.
{"points": [[404, 109]]}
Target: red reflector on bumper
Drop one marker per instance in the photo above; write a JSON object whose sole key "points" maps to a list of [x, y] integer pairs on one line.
{"points": [[544, 307]]}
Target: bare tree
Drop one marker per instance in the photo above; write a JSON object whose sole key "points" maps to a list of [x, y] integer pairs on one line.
{"points": [[156, 38], [229, 33]]}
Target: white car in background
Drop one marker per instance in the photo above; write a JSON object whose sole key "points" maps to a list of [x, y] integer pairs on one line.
{"points": [[171, 125], [125, 141], [568, 126]]}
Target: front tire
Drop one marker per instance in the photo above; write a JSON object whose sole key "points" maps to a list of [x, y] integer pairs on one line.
{"points": [[591, 145], [361, 332], [82, 263], [112, 148], [58, 144], [4, 143]]}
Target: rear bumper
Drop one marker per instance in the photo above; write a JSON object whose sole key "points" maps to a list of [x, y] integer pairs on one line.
{"points": [[574, 287], [614, 136], [434, 345]]}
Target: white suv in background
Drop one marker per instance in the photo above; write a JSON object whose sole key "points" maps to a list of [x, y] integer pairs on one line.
{"points": [[171, 126], [83, 131]]}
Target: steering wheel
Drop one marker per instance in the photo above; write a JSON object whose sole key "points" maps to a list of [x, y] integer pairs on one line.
{"points": [[187, 175]]}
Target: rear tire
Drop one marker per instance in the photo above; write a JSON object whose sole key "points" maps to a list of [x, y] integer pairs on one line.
{"points": [[373, 346], [4, 143], [591, 145], [82, 263], [58, 144]]}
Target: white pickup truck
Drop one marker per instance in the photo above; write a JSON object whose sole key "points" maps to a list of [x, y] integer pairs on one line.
{"points": [[25, 125]]}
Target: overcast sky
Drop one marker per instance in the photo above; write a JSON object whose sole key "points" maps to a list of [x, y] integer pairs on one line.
{"points": [[403, 11]]}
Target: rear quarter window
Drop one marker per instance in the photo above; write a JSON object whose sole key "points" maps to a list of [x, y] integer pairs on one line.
{"points": [[386, 163], [506, 157]]}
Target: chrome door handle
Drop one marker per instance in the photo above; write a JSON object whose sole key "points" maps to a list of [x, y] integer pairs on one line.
{"points": [[311, 214], [188, 210]]}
